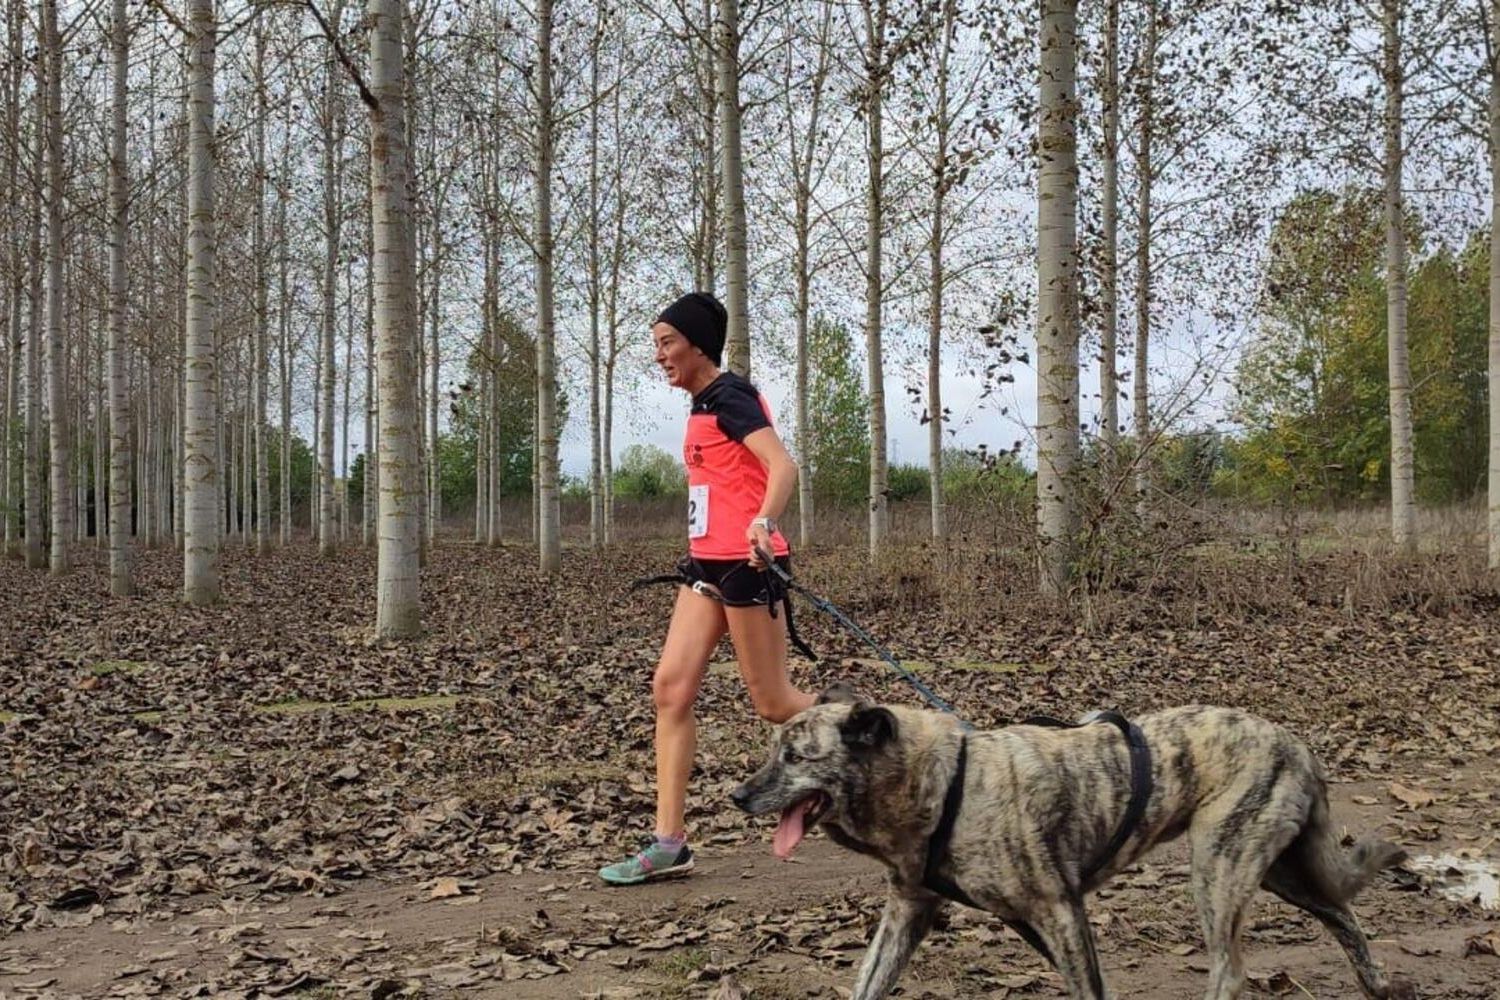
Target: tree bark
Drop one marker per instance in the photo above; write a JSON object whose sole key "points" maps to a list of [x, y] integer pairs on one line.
{"points": [[940, 184], [549, 511], [35, 559], [15, 450], [262, 311], [57, 359], [736, 242], [1144, 167], [1403, 475], [202, 511], [1494, 339], [1109, 277], [596, 464], [398, 609], [875, 15], [333, 145], [120, 452], [1057, 329]]}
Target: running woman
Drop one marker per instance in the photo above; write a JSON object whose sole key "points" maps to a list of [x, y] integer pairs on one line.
{"points": [[740, 478]]}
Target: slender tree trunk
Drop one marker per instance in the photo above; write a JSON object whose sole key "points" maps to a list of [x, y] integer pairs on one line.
{"points": [[372, 450], [120, 454], [1109, 277], [1144, 169], [10, 494], [803, 159], [1057, 330], [434, 367], [284, 337], [549, 511], [805, 510], [15, 451], [876, 69], [596, 466], [1403, 477], [333, 143], [940, 183], [705, 267], [201, 415], [35, 558], [736, 263], [149, 464], [399, 609], [262, 310], [57, 360], [612, 314], [348, 390], [1494, 359]]}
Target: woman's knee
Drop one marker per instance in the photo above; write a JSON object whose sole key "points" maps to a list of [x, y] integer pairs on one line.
{"points": [[674, 688]]}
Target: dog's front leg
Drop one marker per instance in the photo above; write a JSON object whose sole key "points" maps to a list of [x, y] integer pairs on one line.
{"points": [[906, 921]]}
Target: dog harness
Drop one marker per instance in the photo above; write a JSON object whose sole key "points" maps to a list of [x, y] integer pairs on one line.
{"points": [[1140, 793]]}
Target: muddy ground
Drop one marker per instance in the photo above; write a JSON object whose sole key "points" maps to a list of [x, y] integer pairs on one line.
{"points": [[260, 800]]}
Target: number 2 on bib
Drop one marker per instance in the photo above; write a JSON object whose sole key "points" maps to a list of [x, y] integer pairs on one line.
{"points": [[697, 511]]}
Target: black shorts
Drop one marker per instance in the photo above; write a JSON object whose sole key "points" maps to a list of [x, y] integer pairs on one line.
{"points": [[739, 584]]}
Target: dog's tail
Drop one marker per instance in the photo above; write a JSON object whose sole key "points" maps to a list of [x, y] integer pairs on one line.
{"points": [[1342, 874]]}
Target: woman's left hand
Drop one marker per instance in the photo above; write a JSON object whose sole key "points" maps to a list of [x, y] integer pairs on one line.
{"points": [[759, 538]]}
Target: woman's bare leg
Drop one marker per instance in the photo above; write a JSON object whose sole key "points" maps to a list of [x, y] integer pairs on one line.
{"points": [[697, 626]]}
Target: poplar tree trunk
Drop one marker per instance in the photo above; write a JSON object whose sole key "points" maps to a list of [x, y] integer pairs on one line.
{"points": [[1057, 329], [736, 264], [398, 606], [940, 184], [35, 559], [15, 450], [202, 512], [875, 66], [1494, 359], [803, 160], [284, 336], [333, 143], [596, 470], [549, 511], [57, 360], [120, 452], [372, 445], [1109, 277], [1141, 380], [262, 312], [1403, 475]]}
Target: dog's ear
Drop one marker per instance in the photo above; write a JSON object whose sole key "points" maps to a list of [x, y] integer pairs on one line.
{"points": [[839, 693], [868, 727]]}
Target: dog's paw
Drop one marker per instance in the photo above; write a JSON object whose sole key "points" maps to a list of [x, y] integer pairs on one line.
{"points": [[1401, 989]]}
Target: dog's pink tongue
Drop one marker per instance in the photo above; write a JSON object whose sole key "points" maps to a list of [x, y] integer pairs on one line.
{"points": [[791, 829]]}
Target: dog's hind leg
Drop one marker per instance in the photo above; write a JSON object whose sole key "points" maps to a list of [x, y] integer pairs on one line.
{"points": [[1065, 928], [903, 925], [1234, 838], [1291, 879]]}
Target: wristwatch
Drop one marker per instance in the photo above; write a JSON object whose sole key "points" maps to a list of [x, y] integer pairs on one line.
{"points": [[769, 523]]}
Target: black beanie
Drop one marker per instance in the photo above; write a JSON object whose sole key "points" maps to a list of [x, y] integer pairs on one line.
{"points": [[700, 318]]}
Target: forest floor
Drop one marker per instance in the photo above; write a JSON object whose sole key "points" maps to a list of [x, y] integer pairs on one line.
{"points": [[258, 799]]}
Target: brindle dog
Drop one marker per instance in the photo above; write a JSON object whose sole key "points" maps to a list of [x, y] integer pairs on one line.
{"points": [[1040, 803]]}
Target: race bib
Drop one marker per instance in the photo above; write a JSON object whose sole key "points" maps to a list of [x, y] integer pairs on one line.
{"points": [[697, 511]]}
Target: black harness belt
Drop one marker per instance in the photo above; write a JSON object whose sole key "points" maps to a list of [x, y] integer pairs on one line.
{"points": [[1140, 794], [776, 593]]}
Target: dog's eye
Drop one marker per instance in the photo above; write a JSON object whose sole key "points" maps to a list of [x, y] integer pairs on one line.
{"points": [[791, 756]]}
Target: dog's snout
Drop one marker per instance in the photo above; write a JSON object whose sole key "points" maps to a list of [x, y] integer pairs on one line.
{"points": [[741, 796]]}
